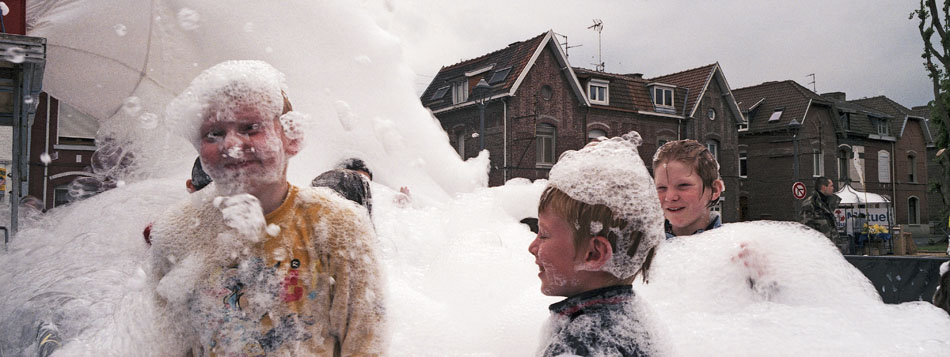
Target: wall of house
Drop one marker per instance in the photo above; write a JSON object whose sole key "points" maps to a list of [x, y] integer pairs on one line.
{"points": [[912, 142], [63, 160], [723, 129], [768, 188], [935, 205], [528, 108], [651, 128]]}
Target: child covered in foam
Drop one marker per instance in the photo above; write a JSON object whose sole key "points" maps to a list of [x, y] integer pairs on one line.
{"points": [[253, 265], [600, 223]]}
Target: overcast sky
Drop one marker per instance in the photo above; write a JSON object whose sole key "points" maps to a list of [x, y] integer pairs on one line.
{"points": [[865, 48]]}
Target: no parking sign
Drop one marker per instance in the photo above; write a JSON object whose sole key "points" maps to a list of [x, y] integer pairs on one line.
{"points": [[798, 190]]}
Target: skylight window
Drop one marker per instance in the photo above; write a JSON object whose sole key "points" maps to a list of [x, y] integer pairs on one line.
{"points": [[499, 75], [776, 114], [439, 93]]}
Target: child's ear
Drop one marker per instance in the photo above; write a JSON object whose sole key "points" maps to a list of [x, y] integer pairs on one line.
{"points": [[718, 188], [598, 253], [291, 146]]}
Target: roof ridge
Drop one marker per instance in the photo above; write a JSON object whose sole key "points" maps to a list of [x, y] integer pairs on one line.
{"points": [[473, 60], [685, 70], [609, 74]]}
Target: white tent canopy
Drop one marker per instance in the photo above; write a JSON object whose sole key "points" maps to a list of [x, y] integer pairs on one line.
{"points": [[850, 196]]}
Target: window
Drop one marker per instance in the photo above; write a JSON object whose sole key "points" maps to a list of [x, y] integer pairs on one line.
{"points": [[460, 142], [593, 134], [713, 147], [912, 170], [598, 91], [663, 97], [546, 134], [60, 195], [499, 75], [845, 121], [844, 161], [439, 93], [913, 210], [459, 91], [743, 164], [818, 163], [882, 127], [776, 115], [547, 92], [75, 127], [743, 126], [883, 166], [711, 114]]}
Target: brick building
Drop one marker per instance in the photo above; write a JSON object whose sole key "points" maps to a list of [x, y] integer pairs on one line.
{"points": [[537, 106], [909, 162], [68, 137], [778, 115], [936, 208]]}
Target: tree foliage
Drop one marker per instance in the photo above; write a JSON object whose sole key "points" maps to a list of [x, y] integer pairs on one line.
{"points": [[934, 20]]}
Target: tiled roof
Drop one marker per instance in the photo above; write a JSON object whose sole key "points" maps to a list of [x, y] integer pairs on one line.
{"points": [[516, 55], [629, 92], [695, 80], [896, 110], [861, 115], [787, 95]]}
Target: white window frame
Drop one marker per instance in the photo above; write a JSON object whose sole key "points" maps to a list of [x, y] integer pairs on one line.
{"points": [[713, 146], [817, 163], [884, 166], [776, 115], [598, 96], [546, 143], [460, 91], [882, 128], [658, 100], [743, 162]]}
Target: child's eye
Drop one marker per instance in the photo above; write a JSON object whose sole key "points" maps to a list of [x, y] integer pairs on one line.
{"points": [[213, 135], [251, 128]]}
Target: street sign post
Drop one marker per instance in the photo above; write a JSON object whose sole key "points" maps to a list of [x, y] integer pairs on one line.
{"points": [[798, 190]]}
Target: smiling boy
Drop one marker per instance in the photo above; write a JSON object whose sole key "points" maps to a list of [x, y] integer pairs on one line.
{"points": [[600, 223], [253, 265]]}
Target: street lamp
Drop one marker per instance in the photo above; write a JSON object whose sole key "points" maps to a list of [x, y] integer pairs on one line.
{"points": [[481, 98], [794, 127]]}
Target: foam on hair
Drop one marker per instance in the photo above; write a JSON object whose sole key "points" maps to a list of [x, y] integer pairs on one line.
{"points": [[612, 174], [224, 87]]}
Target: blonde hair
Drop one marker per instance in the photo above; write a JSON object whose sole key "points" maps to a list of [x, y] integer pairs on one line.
{"points": [[581, 217]]}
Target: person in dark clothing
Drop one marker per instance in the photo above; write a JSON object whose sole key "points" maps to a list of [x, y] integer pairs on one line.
{"points": [[818, 212], [358, 165], [349, 184], [199, 178], [599, 226]]}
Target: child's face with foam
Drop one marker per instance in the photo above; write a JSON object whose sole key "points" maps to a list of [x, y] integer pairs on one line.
{"points": [[243, 148], [682, 196], [556, 257]]}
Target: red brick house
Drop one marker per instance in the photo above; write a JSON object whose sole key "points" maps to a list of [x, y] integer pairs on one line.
{"points": [[936, 208], [909, 162], [767, 146], [538, 106], [68, 137]]}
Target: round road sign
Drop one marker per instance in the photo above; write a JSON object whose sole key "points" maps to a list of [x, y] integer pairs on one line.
{"points": [[798, 190]]}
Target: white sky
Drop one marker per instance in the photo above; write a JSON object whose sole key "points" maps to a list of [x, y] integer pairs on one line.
{"points": [[862, 47]]}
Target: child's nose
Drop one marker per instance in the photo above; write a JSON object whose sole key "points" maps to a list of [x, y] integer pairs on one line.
{"points": [[533, 247], [233, 139]]}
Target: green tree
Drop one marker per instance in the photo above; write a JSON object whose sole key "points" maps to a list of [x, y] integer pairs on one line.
{"points": [[934, 20]]}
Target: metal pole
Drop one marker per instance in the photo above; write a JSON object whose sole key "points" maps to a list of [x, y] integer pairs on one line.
{"points": [[798, 203], [481, 125]]}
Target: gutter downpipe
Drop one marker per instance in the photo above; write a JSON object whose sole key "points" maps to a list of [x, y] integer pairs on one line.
{"points": [[894, 182], [679, 128], [504, 115], [46, 150]]}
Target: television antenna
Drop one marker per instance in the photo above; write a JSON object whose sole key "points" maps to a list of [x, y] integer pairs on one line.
{"points": [[566, 46], [812, 75], [598, 26]]}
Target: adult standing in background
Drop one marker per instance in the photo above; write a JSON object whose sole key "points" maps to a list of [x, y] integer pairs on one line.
{"points": [[818, 212]]}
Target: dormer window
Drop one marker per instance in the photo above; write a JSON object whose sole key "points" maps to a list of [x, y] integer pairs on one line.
{"points": [[598, 91], [459, 91], [882, 127], [663, 96]]}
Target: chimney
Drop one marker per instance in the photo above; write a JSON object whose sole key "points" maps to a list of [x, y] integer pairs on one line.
{"points": [[835, 95], [635, 75]]}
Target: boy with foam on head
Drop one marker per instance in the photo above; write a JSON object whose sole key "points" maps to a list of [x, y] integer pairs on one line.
{"points": [[600, 223], [252, 264]]}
